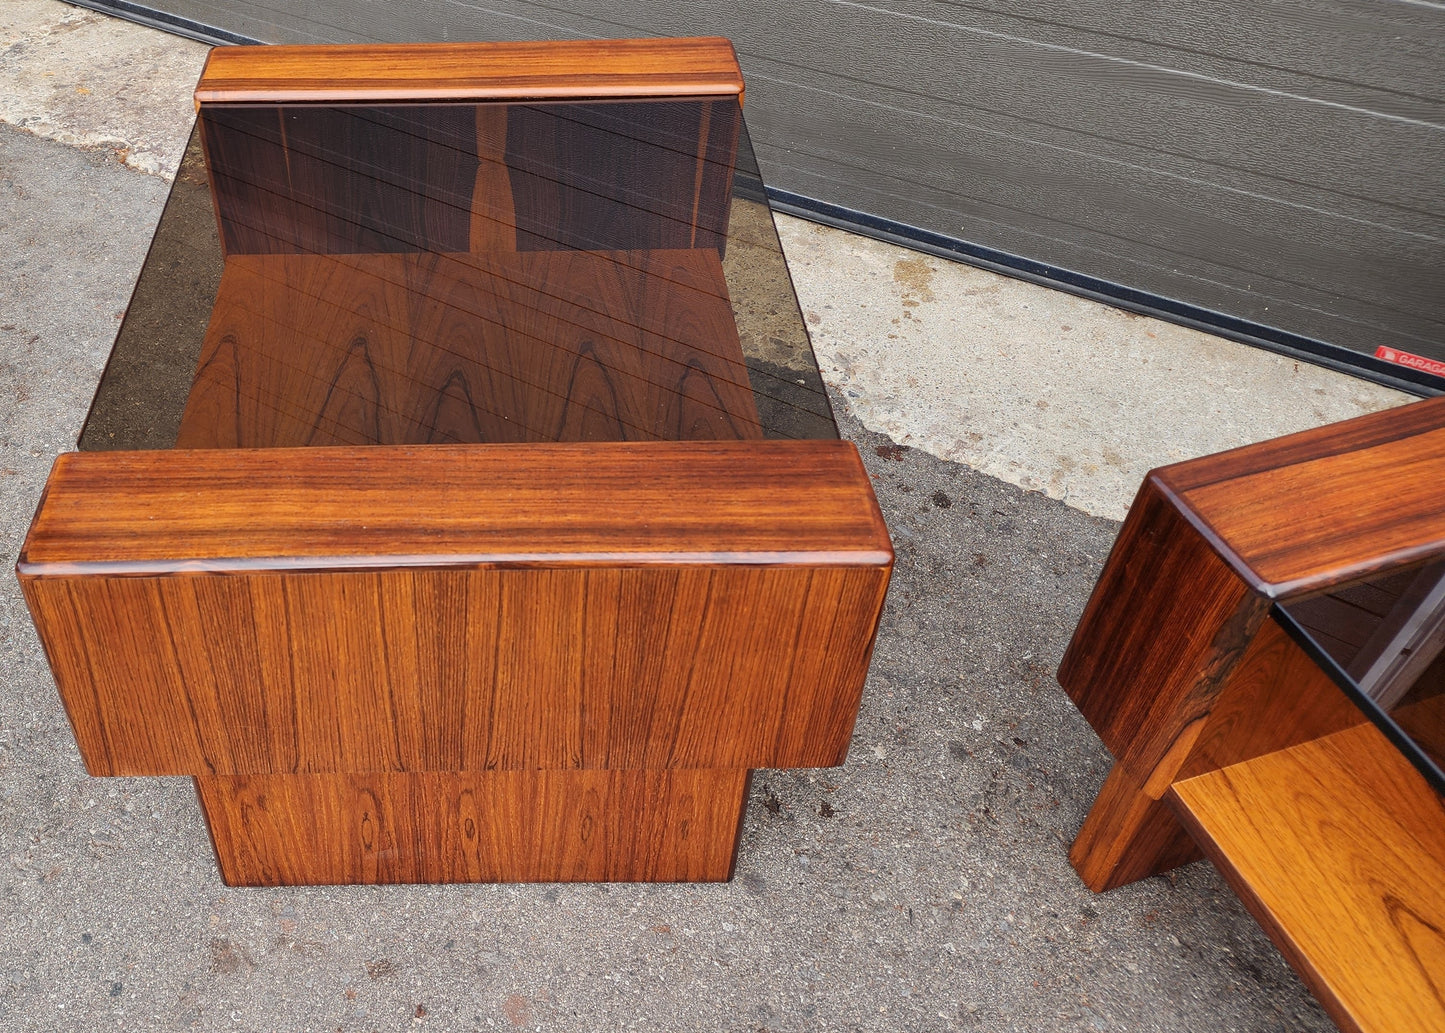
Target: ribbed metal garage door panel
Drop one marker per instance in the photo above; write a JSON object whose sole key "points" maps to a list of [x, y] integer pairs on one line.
{"points": [[1149, 229], [1279, 162]]}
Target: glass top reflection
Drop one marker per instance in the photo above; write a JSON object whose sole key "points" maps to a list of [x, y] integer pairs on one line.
{"points": [[462, 272], [1382, 639]]}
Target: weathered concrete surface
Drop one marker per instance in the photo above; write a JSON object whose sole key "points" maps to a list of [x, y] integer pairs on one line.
{"points": [[81, 78], [1039, 388]]}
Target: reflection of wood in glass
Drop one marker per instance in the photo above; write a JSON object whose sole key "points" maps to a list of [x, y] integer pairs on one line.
{"points": [[463, 273], [414, 349], [588, 176], [1388, 634]]}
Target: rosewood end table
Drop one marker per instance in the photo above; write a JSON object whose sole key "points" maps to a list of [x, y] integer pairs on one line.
{"points": [[1264, 656], [461, 500]]}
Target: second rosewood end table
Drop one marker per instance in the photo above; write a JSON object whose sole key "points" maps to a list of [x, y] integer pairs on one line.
{"points": [[461, 500], [1264, 656]]}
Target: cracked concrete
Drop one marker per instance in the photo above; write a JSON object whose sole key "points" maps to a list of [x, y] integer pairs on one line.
{"points": [[88, 80]]}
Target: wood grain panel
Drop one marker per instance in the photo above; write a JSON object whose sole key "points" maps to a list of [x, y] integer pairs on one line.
{"points": [[1336, 847], [1128, 835], [1275, 697], [494, 347], [622, 176], [1297, 526], [1164, 627], [701, 66], [600, 504], [434, 670], [491, 826]]}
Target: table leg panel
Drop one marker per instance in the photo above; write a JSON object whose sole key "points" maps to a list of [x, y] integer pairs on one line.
{"points": [[492, 826]]}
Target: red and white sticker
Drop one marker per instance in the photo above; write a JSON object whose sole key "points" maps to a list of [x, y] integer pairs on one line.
{"points": [[1413, 361]]}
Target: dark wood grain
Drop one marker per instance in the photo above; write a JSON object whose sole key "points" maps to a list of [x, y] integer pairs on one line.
{"points": [[1336, 847], [496, 347], [245, 155], [486, 826], [1161, 633], [1290, 515], [573, 69], [600, 504], [378, 179]]}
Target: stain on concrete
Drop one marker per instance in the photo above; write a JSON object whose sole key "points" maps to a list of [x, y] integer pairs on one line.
{"points": [[916, 277]]}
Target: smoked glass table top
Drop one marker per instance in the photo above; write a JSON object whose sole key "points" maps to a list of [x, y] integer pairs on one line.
{"points": [[426, 273], [1382, 641]]}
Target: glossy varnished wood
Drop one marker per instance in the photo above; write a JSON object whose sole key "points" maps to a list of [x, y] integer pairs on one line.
{"points": [[1185, 591], [1337, 846], [536, 595], [1128, 835], [666, 605], [495, 347], [484, 826], [1163, 629], [238, 510], [436, 670], [1291, 515], [703, 66], [1230, 738]]}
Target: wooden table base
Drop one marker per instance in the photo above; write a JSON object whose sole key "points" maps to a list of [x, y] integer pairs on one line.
{"points": [[476, 826], [556, 662], [486, 550], [1231, 739]]}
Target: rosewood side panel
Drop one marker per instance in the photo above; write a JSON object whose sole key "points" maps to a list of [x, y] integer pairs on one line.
{"points": [[476, 826], [1233, 740]]}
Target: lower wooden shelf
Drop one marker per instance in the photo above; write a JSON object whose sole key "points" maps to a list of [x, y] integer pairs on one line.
{"points": [[1337, 847]]}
